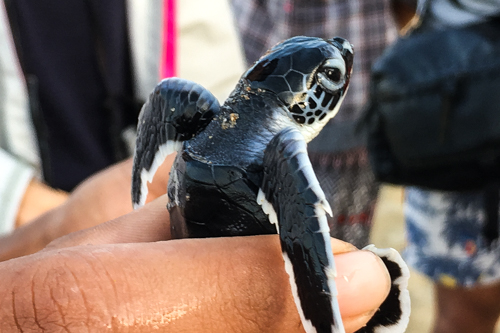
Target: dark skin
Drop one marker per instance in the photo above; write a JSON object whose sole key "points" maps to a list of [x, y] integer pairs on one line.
{"points": [[123, 276], [404, 13], [464, 310], [118, 276], [100, 198]]}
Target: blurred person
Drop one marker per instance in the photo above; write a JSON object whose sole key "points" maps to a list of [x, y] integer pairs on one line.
{"points": [[73, 75], [446, 234], [338, 154], [122, 276], [100, 198], [69, 96]]}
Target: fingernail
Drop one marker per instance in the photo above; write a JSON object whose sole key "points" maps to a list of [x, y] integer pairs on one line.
{"points": [[363, 282]]}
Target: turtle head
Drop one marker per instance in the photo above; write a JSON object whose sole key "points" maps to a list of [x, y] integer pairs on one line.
{"points": [[308, 75]]}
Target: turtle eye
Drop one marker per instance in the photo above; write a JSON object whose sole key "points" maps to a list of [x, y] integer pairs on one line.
{"points": [[331, 75], [334, 74]]}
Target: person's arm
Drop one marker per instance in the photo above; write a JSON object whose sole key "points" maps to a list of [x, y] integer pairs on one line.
{"points": [[102, 197], [38, 198], [404, 13], [232, 284], [22, 197]]}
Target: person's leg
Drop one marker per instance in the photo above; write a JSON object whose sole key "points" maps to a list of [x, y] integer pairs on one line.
{"points": [[445, 241], [466, 310]]}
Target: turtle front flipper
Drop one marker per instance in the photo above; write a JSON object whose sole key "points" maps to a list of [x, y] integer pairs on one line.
{"points": [[176, 111], [293, 199]]}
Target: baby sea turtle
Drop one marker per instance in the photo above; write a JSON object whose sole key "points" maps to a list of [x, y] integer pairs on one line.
{"points": [[242, 168]]}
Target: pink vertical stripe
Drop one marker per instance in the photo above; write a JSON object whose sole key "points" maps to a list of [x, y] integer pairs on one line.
{"points": [[168, 63]]}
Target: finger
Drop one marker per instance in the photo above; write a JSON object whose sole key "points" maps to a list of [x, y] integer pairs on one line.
{"points": [[150, 223], [363, 283], [209, 285], [339, 246]]}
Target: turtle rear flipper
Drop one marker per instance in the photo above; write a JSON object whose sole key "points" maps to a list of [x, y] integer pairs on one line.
{"points": [[176, 111], [292, 197], [394, 313]]}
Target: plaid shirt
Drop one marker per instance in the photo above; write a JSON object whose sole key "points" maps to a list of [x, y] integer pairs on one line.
{"points": [[367, 24]]}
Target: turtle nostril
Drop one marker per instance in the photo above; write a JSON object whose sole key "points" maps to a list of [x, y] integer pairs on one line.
{"points": [[339, 40]]}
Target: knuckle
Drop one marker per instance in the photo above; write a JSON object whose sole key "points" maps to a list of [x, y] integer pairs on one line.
{"points": [[68, 295]]}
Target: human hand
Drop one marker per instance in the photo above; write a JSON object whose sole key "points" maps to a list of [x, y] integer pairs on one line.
{"points": [[38, 199], [105, 196], [100, 198], [189, 285]]}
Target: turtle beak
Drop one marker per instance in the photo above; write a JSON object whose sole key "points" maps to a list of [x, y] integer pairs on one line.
{"points": [[347, 52]]}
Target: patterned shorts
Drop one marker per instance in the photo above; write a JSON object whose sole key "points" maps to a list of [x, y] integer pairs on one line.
{"points": [[445, 238]]}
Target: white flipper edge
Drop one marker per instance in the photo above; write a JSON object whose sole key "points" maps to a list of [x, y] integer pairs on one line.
{"points": [[402, 284], [147, 175], [267, 207]]}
